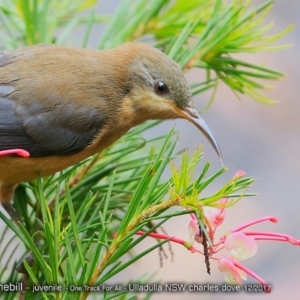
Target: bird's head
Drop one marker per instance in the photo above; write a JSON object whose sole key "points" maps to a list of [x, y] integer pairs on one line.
{"points": [[159, 89]]}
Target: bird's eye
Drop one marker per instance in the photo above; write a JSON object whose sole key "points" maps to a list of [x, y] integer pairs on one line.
{"points": [[161, 88]]}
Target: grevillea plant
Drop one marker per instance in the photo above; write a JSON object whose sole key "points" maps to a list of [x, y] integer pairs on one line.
{"points": [[239, 243], [80, 226]]}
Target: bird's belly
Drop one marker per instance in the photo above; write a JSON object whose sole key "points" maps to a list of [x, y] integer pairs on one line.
{"points": [[14, 170], [17, 169]]}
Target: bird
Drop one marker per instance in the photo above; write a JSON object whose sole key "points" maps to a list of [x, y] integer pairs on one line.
{"points": [[61, 104]]}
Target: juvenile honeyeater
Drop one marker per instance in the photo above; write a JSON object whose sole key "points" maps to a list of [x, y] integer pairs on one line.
{"points": [[60, 105]]}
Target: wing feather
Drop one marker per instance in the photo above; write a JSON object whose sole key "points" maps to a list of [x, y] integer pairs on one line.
{"points": [[42, 123]]}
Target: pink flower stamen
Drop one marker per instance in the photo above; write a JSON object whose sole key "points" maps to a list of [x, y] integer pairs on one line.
{"points": [[256, 221], [176, 240], [239, 174], [252, 274], [261, 235]]}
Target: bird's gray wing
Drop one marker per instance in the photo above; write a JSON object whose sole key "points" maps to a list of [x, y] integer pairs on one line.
{"points": [[62, 129], [54, 126]]}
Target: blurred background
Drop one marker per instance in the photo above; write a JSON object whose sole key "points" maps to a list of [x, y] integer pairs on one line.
{"points": [[263, 141]]}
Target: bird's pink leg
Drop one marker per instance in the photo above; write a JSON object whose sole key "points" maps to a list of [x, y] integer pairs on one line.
{"points": [[19, 152]]}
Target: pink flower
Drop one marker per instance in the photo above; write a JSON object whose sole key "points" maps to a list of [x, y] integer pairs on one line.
{"points": [[215, 216], [233, 275], [240, 245]]}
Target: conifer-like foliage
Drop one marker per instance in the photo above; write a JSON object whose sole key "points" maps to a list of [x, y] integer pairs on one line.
{"points": [[79, 224]]}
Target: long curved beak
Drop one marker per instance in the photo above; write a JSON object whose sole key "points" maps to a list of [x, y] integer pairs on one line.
{"points": [[190, 113]]}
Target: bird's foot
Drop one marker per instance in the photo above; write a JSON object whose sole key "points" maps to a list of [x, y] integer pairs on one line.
{"points": [[18, 152]]}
